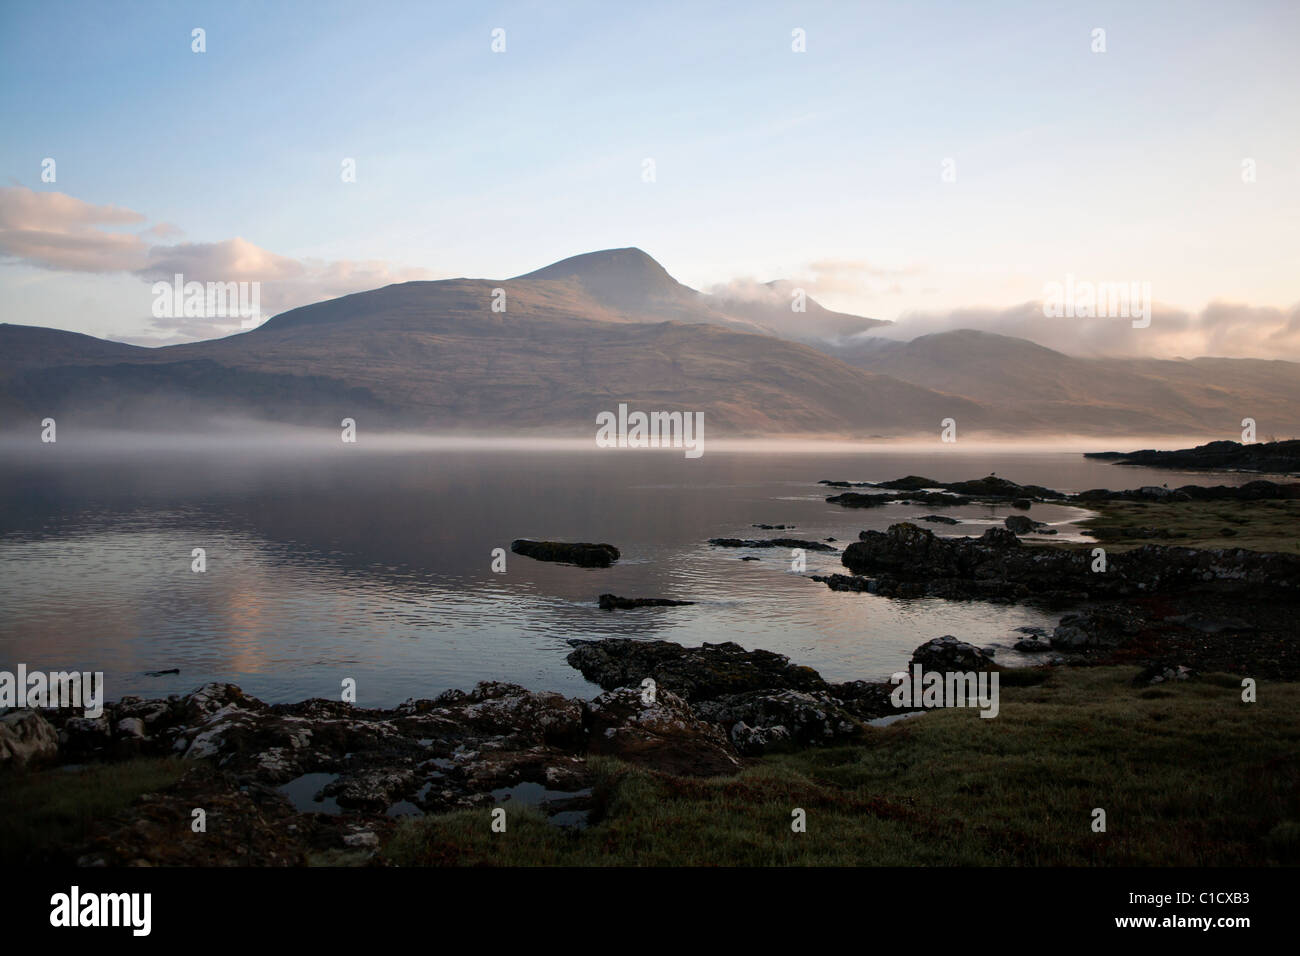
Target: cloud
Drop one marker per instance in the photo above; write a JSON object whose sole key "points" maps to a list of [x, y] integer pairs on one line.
{"points": [[823, 279], [163, 230], [1230, 330], [56, 231]]}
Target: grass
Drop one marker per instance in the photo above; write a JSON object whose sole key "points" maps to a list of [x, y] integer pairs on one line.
{"points": [[1187, 774], [1257, 525], [46, 812]]}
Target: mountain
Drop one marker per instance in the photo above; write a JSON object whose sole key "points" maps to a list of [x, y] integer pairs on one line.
{"points": [[575, 339], [585, 334], [1015, 379]]}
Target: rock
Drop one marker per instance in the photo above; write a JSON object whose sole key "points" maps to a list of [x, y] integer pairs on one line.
{"points": [[939, 519], [1032, 645], [774, 718], [582, 554], [908, 560], [851, 499], [612, 602], [666, 736], [948, 654], [1019, 524], [27, 740], [363, 838], [758, 740], [1163, 673], [131, 727], [694, 673], [774, 527], [769, 543], [749, 557], [843, 582], [1103, 627]]}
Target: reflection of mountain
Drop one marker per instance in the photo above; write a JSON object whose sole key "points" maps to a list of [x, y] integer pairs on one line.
{"points": [[579, 336]]}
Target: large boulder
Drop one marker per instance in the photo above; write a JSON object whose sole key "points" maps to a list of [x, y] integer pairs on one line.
{"points": [[27, 740], [948, 654]]}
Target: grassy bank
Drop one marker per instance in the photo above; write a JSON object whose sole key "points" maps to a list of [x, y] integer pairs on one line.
{"points": [[1257, 525], [48, 811], [1187, 775]]}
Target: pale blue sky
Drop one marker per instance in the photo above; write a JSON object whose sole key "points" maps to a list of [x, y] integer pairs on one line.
{"points": [[1122, 166]]}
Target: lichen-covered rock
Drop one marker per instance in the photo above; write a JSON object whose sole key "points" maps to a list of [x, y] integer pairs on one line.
{"points": [[665, 735], [805, 718]]}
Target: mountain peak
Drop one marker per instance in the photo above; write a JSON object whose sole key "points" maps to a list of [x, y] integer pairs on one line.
{"points": [[625, 264], [623, 278]]}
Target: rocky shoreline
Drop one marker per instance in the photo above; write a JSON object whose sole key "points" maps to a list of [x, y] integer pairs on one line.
{"points": [[322, 774], [289, 780]]}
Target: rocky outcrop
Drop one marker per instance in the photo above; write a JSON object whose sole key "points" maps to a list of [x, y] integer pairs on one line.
{"points": [[991, 487], [759, 698], [1251, 491], [583, 554], [909, 560]]}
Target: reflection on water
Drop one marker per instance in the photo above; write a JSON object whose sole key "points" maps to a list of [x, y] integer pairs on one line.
{"points": [[376, 565]]}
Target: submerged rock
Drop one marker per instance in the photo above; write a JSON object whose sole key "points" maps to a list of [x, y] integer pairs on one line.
{"points": [[612, 602], [582, 554]]}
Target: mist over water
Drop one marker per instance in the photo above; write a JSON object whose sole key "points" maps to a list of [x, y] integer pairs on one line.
{"points": [[373, 560]]}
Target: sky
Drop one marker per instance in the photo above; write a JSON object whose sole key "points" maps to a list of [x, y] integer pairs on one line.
{"points": [[936, 164]]}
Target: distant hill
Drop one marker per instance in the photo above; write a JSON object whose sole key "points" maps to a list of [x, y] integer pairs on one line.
{"points": [[1017, 379]]}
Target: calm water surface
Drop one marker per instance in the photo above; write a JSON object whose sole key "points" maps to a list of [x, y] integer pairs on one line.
{"points": [[376, 565]]}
